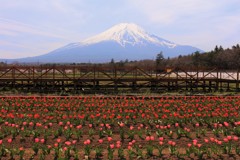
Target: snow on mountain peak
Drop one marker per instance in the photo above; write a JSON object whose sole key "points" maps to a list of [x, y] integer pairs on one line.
{"points": [[127, 33]]}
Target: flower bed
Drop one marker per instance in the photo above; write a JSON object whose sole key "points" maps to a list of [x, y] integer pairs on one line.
{"points": [[122, 127]]}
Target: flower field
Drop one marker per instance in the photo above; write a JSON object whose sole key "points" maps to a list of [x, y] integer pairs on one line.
{"points": [[121, 127]]}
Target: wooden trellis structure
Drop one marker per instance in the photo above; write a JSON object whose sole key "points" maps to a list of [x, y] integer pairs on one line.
{"points": [[98, 79]]}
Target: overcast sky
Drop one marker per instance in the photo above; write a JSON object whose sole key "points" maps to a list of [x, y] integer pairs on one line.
{"points": [[35, 27]]}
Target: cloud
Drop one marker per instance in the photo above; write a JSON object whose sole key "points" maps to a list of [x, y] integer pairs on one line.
{"points": [[14, 28], [200, 22]]}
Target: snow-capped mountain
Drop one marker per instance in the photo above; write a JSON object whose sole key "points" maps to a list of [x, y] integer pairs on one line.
{"points": [[121, 42]]}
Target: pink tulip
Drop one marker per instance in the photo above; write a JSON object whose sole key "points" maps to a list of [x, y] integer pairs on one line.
{"points": [[229, 137], [235, 138], [118, 145], [189, 144], [121, 124], [199, 145], [9, 140], [225, 139], [74, 141], [219, 142], [176, 124], [42, 140], [68, 143], [88, 141], [58, 140], [111, 146], [152, 138], [0, 141], [226, 124], [197, 124], [160, 138], [36, 140], [60, 123], [109, 139], [100, 141], [79, 126], [161, 143], [206, 140], [148, 138], [131, 127]]}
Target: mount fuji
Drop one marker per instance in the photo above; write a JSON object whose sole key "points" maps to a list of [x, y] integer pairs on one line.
{"points": [[121, 42]]}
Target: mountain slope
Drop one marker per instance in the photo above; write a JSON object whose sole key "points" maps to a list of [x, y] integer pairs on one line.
{"points": [[122, 41]]}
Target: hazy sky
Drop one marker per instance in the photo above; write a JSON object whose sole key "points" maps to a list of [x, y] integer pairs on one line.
{"points": [[35, 27]]}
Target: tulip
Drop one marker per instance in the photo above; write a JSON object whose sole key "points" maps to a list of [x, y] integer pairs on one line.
{"points": [[79, 126], [121, 124], [111, 146], [42, 140], [68, 143], [160, 138], [100, 141], [36, 140], [152, 138], [226, 124], [148, 138], [118, 145], [206, 140], [219, 142], [176, 124], [235, 138], [109, 139], [58, 140], [173, 143], [229, 137], [225, 140], [189, 144], [0, 141], [74, 141]]}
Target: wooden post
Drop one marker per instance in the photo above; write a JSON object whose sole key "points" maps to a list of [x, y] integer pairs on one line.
{"points": [[217, 81], [237, 84]]}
